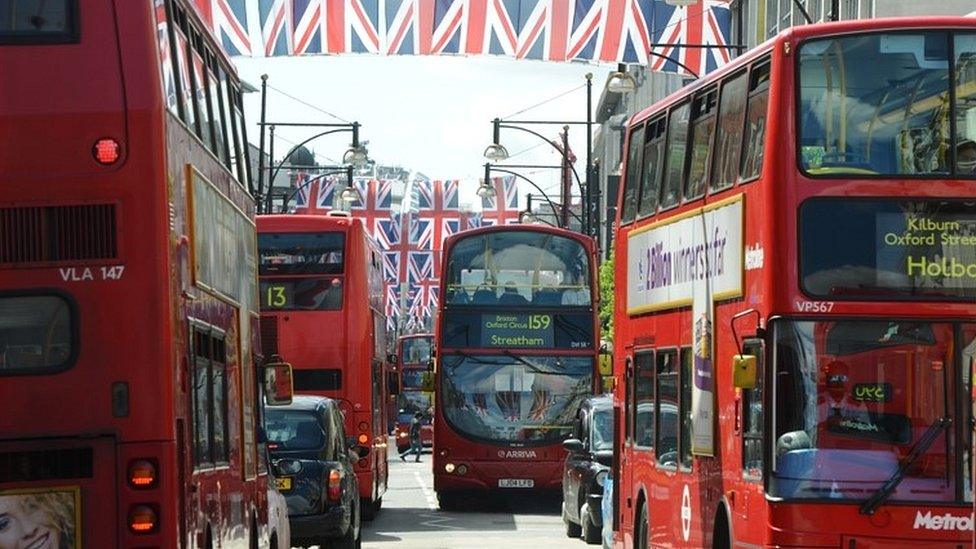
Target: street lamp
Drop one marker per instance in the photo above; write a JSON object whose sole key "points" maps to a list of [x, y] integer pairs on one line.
{"points": [[486, 190], [356, 156], [621, 81], [349, 195]]}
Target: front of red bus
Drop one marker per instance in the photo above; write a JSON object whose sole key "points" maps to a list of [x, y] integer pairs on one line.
{"points": [[871, 354], [515, 356], [414, 352]]}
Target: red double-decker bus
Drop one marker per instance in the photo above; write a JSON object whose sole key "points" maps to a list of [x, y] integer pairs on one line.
{"points": [[321, 288], [516, 354], [796, 278], [128, 284], [414, 353]]}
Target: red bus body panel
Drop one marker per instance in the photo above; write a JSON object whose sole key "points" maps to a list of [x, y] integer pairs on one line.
{"points": [[131, 311], [770, 221]]}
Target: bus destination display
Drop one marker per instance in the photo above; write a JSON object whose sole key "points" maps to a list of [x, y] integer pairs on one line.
{"points": [[884, 248], [319, 294], [517, 330]]}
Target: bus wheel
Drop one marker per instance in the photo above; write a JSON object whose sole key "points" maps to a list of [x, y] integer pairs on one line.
{"points": [[370, 508], [573, 530], [640, 535], [254, 534], [720, 538]]}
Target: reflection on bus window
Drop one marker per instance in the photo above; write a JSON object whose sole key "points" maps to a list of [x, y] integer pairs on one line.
{"points": [[301, 253], [527, 399], [853, 398], [879, 103], [518, 268], [35, 333], [416, 350]]}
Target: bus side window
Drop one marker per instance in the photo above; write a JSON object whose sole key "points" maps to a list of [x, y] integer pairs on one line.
{"points": [[644, 399], [752, 416], [728, 138], [677, 149], [652, 170], [634, 150], [702, 130], [755, 133], [685, 406], [629, 405], [666, 408]]}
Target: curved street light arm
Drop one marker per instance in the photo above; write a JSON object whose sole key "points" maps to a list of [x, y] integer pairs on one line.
{"points": [[287, 198], [675, 61], [551, 144], [354, 127], [542, 192]]}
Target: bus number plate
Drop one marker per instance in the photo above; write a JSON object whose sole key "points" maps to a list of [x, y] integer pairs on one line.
{"points": [[515, 483], [283, 484]]}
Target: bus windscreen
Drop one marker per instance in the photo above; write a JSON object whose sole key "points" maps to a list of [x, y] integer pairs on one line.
{"points": [[518, 268], [301, 253], [883, 249]]}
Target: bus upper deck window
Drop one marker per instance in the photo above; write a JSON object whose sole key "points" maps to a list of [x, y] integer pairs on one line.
{"points": [[37, 21]]}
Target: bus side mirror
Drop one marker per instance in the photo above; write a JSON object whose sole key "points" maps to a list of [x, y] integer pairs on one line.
{"points": [[430, 365], [393, 383], [392, 359], [278, 387], [744, 371], [427, 381]]}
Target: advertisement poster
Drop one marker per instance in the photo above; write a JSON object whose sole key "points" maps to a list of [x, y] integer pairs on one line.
{"points": [[702, 389], [47, 517]]}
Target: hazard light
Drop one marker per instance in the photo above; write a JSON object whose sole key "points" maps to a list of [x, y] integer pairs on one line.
{"points": [[142, 519], [106, 151]]}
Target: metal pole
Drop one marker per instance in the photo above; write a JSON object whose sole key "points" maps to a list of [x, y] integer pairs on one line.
{"points": [[264, 107], [590, 218], [835, 10], [567, 185], [270, 196]]}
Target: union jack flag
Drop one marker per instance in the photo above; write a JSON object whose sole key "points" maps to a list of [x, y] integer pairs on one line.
{"points": [[552, 30], [501, 209], [437, 214], [375, 201], [314, 193], [424, 285]]}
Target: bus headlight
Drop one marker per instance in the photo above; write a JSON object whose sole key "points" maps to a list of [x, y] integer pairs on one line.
{"points": [[601, 478], [449, 467]]}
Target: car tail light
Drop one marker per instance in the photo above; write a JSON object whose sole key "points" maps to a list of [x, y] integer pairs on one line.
{"points": [[143, 519], [142, 474], [106, 151], [335, 487]]}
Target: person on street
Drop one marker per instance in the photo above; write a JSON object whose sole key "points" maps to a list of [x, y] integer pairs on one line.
{"points": [[416, 446]]}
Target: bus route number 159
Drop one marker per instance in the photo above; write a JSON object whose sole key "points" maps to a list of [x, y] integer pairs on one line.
{"points": [[539, 322]]}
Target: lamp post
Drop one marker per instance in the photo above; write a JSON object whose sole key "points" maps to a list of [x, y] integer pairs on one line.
{"points": [[496, 152]]}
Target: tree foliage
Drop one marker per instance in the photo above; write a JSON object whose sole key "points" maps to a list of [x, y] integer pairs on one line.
{"points": [[606, 300]]}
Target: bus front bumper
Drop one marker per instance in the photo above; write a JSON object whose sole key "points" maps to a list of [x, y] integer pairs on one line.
{"points": [[510, 476]]}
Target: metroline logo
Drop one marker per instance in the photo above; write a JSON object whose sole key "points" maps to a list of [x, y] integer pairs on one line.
{"points": [[928, 521]]}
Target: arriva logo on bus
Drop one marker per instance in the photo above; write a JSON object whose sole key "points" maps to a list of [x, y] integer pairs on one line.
{"points": [[517, 454], [948, 521]]}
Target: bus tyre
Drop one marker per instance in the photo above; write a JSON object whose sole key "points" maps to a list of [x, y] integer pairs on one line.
{"points": [[573, 530], [591, 534], [720, 538], [640, 536], [370, 508]]}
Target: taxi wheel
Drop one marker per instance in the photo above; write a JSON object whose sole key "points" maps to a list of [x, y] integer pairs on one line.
{"points": [[573, 530], [591, 534]]}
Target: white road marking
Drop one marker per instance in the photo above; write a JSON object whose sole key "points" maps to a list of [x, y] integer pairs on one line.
{"points": [[428, 493]]}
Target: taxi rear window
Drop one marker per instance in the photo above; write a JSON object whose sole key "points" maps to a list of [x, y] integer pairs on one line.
{"points": [[38, 21]]}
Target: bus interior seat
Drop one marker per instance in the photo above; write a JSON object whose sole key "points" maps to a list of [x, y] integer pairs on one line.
{"points": [[547, 296], [511, 297], [483, 296], [793, 440], [458, 296]]}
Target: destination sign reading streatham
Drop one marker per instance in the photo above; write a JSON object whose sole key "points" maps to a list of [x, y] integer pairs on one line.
{"points": [[517, 330], [883, 248]]}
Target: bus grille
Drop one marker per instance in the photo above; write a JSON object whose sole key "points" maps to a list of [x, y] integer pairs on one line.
{"points": [[57, 233], [34, 465], [269, 335]]}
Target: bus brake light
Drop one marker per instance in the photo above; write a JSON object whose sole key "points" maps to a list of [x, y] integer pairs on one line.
{"points": [[363, 438], [106, 151], [142, 519], [142, 474]]}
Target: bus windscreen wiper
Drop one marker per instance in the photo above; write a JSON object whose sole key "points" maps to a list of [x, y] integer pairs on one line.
{"points": [[871, 504], [524, 362]]}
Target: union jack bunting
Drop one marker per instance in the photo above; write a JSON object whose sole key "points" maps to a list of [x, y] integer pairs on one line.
{"points": [[437, 215], [501, 209], [314, 194], [552, 30], [375, 201]]}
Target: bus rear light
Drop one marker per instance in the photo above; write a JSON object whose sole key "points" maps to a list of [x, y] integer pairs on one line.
{"points": [[363, 426], [142, 474], [335, 485], [363, 438], [362, 463], [106, 151], [143, 519]]}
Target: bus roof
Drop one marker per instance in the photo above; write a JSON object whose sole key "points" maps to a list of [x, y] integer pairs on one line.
{"points": [[798, 34], [294, 223], [586, 241]]}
